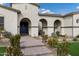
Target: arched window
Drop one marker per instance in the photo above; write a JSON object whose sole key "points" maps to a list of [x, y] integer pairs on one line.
{"points": [[42, 26], [77, 21], [57, 26]]}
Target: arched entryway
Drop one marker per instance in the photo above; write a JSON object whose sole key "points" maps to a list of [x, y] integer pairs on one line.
{"points": [[25, 25], [42, 27], [57, 26]]}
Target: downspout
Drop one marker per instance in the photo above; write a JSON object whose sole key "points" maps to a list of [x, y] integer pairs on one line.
{"points": [[72, 26]]}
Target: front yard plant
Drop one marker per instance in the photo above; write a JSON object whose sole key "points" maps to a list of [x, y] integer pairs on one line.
{"points": [[53, 41], [44, 38], [14, 49], [49, 41], [63, 49]]}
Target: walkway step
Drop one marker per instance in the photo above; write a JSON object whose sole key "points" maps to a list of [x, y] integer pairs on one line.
{"points": [[27, 41], [45, 54], [36, 51], [22, 47], [35, 47]]}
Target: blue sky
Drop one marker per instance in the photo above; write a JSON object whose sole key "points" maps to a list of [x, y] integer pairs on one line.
{"points": [[59, 8]]}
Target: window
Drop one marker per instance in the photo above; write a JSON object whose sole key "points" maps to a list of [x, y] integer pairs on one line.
{"points": [[1, 22], [77, 21]]}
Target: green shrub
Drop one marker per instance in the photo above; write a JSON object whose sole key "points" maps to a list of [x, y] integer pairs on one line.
{"points": [[9, 51], [77, 36], [17, 40], [53, 34], [44, 38], [59, 49], [58, 33], [75, 39], [7, 34], [1, 29], [54, 41], [12, 41], [14, 49], [41, 32], [49, 42], [63, 49]]}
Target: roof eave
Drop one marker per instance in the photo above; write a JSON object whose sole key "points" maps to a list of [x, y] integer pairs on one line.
{"points": [[51, 15], [36, 4], [10, 8]]}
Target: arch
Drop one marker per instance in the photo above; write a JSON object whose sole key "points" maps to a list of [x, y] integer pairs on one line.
{"points": [[57, 26], [42, 27], [25, 25]]}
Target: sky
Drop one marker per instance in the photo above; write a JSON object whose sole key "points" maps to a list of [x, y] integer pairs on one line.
{"points": [[59, 8]]}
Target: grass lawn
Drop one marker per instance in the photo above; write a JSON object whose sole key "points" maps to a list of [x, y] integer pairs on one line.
{"points": [[74, 49], [2, 50]]}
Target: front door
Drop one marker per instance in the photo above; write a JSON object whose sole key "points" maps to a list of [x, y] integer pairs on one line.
{"points": [[24, 28]]}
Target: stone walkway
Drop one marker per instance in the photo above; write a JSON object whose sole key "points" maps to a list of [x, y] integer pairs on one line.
{"points": [[4, 42], [34, 47]]}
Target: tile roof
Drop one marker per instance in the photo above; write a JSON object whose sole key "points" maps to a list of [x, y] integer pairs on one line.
{"points": [[51, 15], [59, 15], [36, 4], [10, 8]]}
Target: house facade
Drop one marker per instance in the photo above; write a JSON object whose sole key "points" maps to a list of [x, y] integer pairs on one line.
{"points": [[24, 18]]}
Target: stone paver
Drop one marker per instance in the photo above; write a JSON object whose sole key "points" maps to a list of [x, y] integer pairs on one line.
{"points": [[34, 47], [28, 41], [4, 42], [36, 51]]}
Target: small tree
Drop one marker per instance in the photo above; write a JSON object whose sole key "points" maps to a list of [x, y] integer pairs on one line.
{"points": [[9, 51], [17, 40], [54, 41], [75, 39], [62, 48], [49, 41], [65, 49], [59, 49], [58, 33], [44, 38], [1, 33], [14, 49]]}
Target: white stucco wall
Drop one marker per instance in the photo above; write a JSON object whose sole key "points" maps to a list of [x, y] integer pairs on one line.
{"points": [[50, 23], [31, 12], [10, 20], [75, 25], [67, 25]]}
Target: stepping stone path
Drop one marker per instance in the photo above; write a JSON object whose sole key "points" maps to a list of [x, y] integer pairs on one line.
{"points": [[34, 47]]}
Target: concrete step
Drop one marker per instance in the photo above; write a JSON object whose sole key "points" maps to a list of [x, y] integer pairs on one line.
{"points": [[36, 51], [22, 47], [26, 41]]}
